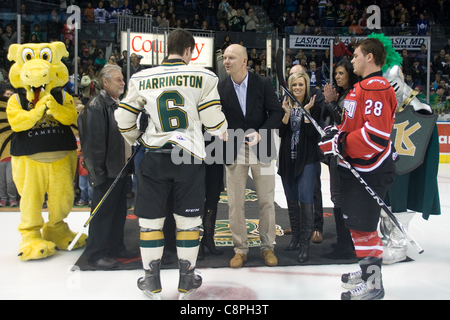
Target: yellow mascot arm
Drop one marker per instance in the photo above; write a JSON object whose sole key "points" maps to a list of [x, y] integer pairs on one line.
{"points": [[66, 113], [20, 119]]}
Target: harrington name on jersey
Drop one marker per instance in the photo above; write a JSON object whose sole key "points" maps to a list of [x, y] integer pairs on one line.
{"points": [[191, 81]]}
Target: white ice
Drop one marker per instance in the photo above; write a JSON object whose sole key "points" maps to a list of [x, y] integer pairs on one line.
{"points": [[427, 277]]}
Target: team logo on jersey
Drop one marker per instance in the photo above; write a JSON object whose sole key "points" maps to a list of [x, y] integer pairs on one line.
{"points": [[350, 108]]}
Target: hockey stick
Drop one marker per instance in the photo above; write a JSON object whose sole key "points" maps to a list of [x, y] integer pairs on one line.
{"points": [[74, 241], [373, 194]]}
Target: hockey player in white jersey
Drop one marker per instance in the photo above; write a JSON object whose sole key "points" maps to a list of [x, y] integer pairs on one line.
{"points": [[179, 99]]}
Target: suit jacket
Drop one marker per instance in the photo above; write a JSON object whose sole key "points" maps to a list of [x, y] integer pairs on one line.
{"points": [[263, 114]]}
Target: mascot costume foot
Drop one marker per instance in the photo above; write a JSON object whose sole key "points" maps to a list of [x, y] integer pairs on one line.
{"points": [[42, 147]]}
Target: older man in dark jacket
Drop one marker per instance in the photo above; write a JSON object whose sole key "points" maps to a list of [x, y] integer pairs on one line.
{"points": [[105, 153]]}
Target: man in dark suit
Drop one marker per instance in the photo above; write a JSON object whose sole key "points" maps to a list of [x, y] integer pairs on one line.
{"points": [[252, 110]]}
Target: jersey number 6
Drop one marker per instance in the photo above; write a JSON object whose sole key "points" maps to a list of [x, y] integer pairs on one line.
{"points": [[171, 116]]}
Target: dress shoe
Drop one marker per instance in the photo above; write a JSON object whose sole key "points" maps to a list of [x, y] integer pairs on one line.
{"points": [[238, 260], [105, 263], [125, 254], [269, 257], [317, 237]]}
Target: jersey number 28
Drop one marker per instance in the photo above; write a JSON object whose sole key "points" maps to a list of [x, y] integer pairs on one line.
{"points": [[375, 107]]}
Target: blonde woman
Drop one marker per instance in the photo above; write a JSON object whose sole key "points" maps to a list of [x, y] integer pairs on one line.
{"points": [[299, 158]]}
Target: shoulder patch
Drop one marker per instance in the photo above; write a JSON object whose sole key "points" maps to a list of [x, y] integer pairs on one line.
{"points": [[375, 83]]}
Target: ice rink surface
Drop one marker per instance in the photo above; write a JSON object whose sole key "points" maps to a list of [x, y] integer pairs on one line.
{"points": [[425, 278]]}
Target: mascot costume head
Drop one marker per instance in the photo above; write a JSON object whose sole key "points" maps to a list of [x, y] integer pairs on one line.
{"points": [[42, 146], [393, 73]]}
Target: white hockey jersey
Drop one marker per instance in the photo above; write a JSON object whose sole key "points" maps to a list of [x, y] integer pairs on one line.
{"points": [[179, 99]]}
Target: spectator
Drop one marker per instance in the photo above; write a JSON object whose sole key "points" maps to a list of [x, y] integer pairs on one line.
{"points": [[313, 14], [100, 13], [329, 18], [422, 57], [291, 6], [299, 27], [444, 116], [403, 25], [196, 23], [205, 25], [93, 47], [317, 78], [225, 5], [210, 8], [446, 68], [342, 15], [422, 26], [438, 61], [314, 57], [339, 50], [9, 37], [321, 6], [89, 85], [407, 60], [362, 22], [416, 73], [291, 20], [137, 11], [222, 15], [8, 189], [250, 21], [438, 101], [68, 32], [354, 28], [237, 23], [100, 60], [83, 179], [409, 81], [447, 46], [113, 11], [231, 12], [282, 22], [126, 8], [89, 13], [37, 32]]}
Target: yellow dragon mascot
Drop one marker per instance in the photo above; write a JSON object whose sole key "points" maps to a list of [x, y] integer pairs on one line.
{"points": [[42, 147]]}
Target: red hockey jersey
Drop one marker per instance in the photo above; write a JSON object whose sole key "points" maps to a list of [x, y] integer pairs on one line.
{"points": [[368, 119]]}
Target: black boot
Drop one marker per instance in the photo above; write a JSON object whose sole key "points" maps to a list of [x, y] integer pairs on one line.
{"points": [[306, 229], [294, 219], [209, 224], [344, 248]]}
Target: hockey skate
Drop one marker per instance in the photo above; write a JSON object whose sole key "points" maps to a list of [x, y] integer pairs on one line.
{"points": [[151, 283], [366, 290], [351, 280], [189, 280]]}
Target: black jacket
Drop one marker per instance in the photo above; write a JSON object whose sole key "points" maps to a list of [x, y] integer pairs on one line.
{"points": [[308, 149], [101, 142], [263, 111]]}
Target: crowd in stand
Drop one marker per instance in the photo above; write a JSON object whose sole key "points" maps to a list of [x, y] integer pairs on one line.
{"points": [[239, 15], [348, 17]]}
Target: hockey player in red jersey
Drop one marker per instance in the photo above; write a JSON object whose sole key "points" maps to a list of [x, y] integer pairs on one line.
{"points": [[363, 139]]}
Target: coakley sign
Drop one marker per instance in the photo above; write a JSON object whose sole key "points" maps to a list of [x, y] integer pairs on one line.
{"points": [[151, 48], [324, 42]]}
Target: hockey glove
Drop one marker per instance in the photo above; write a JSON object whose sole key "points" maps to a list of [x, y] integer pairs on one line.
{"points": [[333, 141], [142, 120]]}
